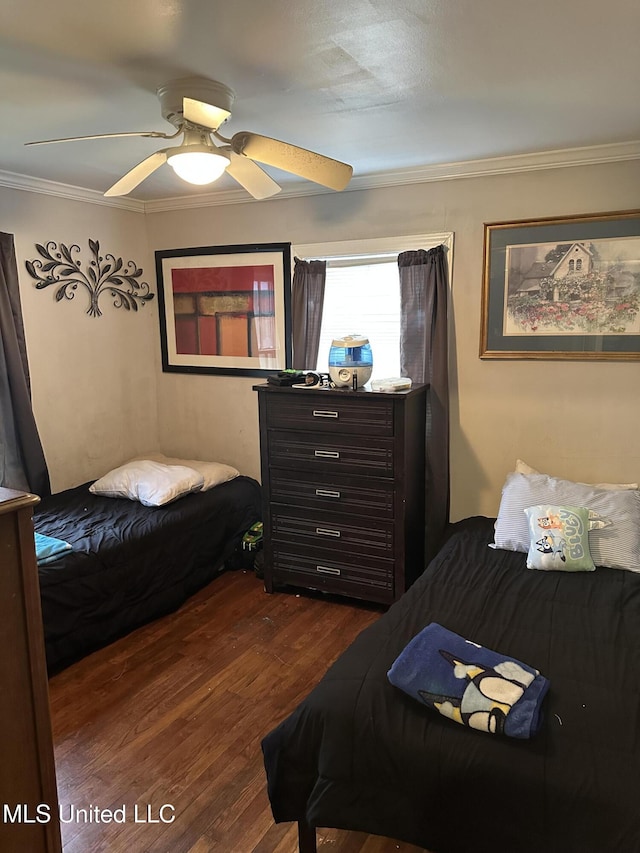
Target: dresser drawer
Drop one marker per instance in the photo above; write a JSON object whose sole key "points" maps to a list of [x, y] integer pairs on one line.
{"points": [[312, 531], [371, 578], [331, 453], [335, 493], [331, 411]]}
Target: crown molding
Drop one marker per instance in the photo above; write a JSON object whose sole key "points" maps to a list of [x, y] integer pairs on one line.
{"points": [[561, 158], [42, 186], [556, 159]]}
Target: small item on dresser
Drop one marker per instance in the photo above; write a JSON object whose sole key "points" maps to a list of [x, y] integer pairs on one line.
{"points": [[313, 379], [350, 361], [394, 383], [285, 378]]}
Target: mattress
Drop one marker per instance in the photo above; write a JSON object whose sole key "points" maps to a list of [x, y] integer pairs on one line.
{"points": [[360, 754], [129, 563]]}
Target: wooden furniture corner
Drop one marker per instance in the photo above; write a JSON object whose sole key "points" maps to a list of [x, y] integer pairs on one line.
{"points": [[30, 819]]}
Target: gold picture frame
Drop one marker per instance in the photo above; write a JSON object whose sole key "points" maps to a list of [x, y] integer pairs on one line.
{"points": [[562, 288]]}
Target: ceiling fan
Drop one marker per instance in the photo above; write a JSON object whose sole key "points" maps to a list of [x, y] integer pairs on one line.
{"points": [[197, 108]]}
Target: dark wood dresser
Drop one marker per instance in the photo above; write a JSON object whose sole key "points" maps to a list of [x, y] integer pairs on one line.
{"points": [[343, 485], [27, 778]]}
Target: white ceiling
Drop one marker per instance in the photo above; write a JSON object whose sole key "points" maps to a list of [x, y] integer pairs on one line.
{"points": [[386, 85]]}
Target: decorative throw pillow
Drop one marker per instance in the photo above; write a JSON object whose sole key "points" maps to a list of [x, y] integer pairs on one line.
{"points": [[523, 468], [559, 537], [151, 483], [213, 473], [617, 547]]}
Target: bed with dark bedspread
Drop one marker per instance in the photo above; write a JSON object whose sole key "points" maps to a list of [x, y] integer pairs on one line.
{"points": [[359, 754], [130, 563]]}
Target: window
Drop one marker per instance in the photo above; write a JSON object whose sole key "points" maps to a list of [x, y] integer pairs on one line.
{"points": [[362, 294], [363, 299]]}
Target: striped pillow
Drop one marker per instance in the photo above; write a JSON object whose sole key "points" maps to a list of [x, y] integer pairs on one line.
{"points": [[617, 547], [523, 468]]}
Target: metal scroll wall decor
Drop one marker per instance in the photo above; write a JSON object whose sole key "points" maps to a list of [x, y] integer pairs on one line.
{"points": [[59, 267]]}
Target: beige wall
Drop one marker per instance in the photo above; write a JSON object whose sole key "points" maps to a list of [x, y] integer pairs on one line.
{"points": [[100, 394], [93, 379], [569, 418]]}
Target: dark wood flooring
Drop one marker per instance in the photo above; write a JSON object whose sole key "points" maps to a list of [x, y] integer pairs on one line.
{"points": [[173, 715]]}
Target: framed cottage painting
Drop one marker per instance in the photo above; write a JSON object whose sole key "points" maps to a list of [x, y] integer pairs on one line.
{"points": [[225, 309], [565, 288]]}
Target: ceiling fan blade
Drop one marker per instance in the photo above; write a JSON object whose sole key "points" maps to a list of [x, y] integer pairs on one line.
{"points": [[250, 176], [137, 175], [203, 114], [154, 133], [307, 164]]}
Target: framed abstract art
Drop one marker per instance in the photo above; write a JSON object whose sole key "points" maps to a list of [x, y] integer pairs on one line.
{"points": [[225, 309]]}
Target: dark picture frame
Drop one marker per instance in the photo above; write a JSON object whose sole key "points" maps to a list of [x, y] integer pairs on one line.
{"points": [[225, 309], [562, 288]]}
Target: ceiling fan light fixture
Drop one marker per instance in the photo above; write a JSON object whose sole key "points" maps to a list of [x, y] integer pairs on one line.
{"points": [[201, 167], [196, 107]]}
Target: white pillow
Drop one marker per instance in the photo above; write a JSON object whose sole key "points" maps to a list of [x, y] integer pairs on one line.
{"points": [[523, 468], [213, 473], [617, 547], [151, 483]]}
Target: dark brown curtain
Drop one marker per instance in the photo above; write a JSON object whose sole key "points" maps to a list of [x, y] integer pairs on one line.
{"points": [[22, 462], [307, 300], [424, 358]]}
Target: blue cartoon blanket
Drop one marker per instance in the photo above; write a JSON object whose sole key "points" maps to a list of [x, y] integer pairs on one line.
{"points": [[470, 684], [49, 549]]}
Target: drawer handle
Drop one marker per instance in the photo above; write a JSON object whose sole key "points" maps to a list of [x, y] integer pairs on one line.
{"points": [[323, 531], [325, 414], [328, 454], [326, 493], [328, 570]]}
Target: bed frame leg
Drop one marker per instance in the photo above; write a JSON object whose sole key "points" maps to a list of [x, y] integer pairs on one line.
{"points": [[306, 838]]}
